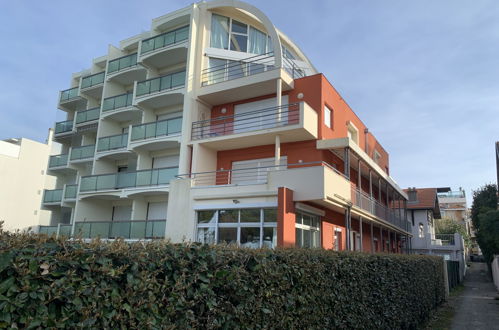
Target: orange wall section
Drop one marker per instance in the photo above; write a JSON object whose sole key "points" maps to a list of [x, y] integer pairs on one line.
{"points": [[286, 218]]}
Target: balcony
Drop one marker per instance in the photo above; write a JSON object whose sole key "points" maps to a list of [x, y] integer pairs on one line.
{"points": [[58, 161], [133, 229], [443, 239], [120, 108], [161, 91], [157, 135], [92, 85], [70, 99], [70, 192], [166, 49], [87, 117], [64, 131], [146, 180], [52, 197], [364, 202], [82, 154], [113, 146], [125, 70], [58, 231], [227, 81], [293, 122]]}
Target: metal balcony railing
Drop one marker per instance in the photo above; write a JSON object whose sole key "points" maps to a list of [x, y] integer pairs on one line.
{"points": [[58, 160], [117, 102], [48, 230], [164, 83], [87, 115], [247, 67], [164, 40], [112, 142], [122, 63], [93, 80], [82, 152], [443, 239], [245, 176], [63, 127], [371, 205], [284, 115], [156, 129], [69, 94], [143, 178], [52, 196]]}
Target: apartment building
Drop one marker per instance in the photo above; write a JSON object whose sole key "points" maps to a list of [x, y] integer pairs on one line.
{"points": [[215, 127], [23, 177]]}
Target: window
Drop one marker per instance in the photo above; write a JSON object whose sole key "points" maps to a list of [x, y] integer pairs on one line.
{"points": [[353, 132], [327, 116], [307, 230], [421, 230], [230, 34], [413, 195], [251, 228], [337, 239], [377, 157]]}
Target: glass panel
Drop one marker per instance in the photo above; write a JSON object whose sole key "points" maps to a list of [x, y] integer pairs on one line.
{"points": [[147, 45], [137, 229], [150, 130], [257, 41], [120, 101], [166, 175], [206, 235], [99, 229], [154, 85], [307, 240], [228, 216], [108, 104], [142, 88], [250, 215], [219, 31], [238, 43], [168, 39], [126, 179], [70, 192], [82, 230], [250, 237], [174, 125], [106, 182], [235, 70], [270, 215], [299, 241], [269, 237], [113, 66], [206, 216], [88, 183], [165, 82], [182, 34], [161, 128], [120, 229], [138, 132], [239, 27], [227, 235], [65, 230], [144, 178]]}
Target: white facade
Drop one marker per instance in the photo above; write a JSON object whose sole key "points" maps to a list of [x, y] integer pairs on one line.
{"points": [[23, 177]]}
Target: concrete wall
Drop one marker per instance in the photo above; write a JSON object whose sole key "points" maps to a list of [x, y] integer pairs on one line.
{"points": [[23, 175]]}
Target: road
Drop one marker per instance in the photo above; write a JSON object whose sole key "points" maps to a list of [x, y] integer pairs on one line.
{"points": [[476, 307]]}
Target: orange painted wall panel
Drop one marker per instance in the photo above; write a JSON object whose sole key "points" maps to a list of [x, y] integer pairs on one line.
{"points": [[286, 218]]}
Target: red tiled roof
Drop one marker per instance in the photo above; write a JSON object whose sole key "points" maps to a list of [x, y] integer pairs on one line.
{"points": [[426, 198]]}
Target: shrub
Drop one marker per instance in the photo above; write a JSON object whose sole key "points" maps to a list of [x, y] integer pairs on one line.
{"points": [[48, 283]]}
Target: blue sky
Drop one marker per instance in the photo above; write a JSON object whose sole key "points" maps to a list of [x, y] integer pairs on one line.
{"points": [[423, 75]]}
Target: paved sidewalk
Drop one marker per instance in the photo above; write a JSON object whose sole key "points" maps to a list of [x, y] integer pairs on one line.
{"points": [[476, 307]]}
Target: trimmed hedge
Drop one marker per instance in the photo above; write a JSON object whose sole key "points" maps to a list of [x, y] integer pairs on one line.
{"points": [[49, 283]]}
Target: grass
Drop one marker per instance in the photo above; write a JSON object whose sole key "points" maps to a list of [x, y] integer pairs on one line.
{"points": [[441, 319]]}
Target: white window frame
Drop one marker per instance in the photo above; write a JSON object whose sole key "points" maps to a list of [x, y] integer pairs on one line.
{"points": [[310, 227], [328, 113], [353, 132], [377, 156]]}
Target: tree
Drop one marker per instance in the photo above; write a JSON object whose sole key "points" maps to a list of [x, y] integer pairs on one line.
{"points": [[485, 217], [450, 226]]}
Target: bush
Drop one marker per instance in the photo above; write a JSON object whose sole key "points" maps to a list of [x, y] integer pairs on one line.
{"points": [[46, 282]]}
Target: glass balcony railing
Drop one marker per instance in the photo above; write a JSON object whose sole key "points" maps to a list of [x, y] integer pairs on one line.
{"points": [[156, 129], [452, 194], [47, 230], [52, 196], [143, 178], [165, 40], [69, 94], [93, 80], [71, 191], [122, 63], [65, 230], [133, 229], [170, 81], [87, 115], [116, 102], [63, 127], [58, 160], [113, 142], [82, 152]]}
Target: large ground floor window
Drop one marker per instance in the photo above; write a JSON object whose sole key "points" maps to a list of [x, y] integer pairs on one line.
{"points": [[308, 231], [252, 228]]}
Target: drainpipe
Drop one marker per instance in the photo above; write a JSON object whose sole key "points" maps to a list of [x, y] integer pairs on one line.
{"points": [[366, 146], [348, 219]]}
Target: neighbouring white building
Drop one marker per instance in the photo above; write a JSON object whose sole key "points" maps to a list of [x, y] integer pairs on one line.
{"points": [[215, 127], [23, 176]]}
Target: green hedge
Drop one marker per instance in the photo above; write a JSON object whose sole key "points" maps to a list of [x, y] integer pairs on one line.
{"points": [[51, 283]]}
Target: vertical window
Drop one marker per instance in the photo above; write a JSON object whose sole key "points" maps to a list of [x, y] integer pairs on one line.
{"points": [[353, 132], [377, 157], [421, 230], [219, 32], [307, 230], [257, 41], [327, 116], [239, 36], [337, 239]]}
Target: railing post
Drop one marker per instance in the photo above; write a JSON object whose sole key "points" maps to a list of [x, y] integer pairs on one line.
{"points": [[58, 230]]}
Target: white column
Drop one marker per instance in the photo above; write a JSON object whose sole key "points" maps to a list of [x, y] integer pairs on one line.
{"points": [[277, 160]]}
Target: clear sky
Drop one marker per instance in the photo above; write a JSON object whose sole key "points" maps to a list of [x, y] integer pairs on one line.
{"points": [[423, 75]]}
